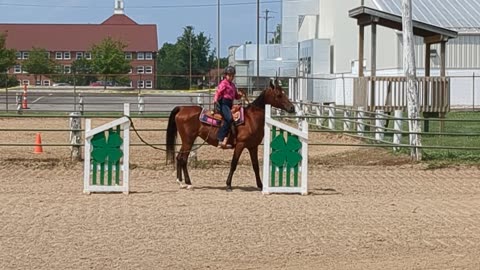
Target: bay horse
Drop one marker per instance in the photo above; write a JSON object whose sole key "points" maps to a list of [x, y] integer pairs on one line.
{"points": [[185, 121]]}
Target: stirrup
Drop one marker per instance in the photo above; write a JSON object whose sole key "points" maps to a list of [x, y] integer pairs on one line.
{"points": [[224, 145]]}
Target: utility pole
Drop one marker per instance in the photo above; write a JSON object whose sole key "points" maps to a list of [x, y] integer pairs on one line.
{"points": [[266, 17], [258, 44], [218, 41], [190, 49]]}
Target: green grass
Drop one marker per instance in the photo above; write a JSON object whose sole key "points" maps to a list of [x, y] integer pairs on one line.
{"points": [[453, 125]]}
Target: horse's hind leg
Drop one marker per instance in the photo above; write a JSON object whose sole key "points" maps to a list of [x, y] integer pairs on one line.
{"points": [[182, 162], [179, 170], [185, 170]]}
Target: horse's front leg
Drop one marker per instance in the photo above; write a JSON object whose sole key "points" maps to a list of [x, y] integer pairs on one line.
{"points": [[254, 157], [233, 166]]}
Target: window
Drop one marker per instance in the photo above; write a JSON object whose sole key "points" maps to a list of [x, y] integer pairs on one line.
{"points": [[148, 84], [148, 56], [88, 55], [58, 55], [25, 82], [140, 70], [140, 84], [66, 55], [47, 54], [19, 55], [140, 56], [46, 83], [148, 70], [25, 55], [17, 69], [130, 71], [79, 55], [67, 69], [128, 56]]}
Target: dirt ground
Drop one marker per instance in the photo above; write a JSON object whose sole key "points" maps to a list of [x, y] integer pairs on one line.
{"points": [[367, 209]]}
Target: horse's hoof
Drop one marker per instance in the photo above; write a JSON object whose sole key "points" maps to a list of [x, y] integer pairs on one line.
{"points": [[229, 189], [189, 187]]}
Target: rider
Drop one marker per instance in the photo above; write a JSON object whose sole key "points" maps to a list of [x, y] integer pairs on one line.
{"points": [[224, 96]]}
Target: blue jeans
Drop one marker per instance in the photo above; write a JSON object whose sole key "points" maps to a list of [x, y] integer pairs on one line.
{"points": [[225, 110]]}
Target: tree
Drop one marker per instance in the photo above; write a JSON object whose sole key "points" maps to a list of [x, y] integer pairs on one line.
{"points": [[410, 72], [7, 60], [39, 63], [191, 54], [108, 59], [83, 71], [277, 35], [170, 65]]}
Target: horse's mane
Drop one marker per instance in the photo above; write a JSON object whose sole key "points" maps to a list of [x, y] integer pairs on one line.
{"points": [[259, 101]]}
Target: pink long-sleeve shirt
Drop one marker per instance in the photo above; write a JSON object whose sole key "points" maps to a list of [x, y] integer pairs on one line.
{"points": [[226, 90]]}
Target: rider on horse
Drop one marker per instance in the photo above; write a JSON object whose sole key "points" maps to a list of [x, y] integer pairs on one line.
{"points": [[224, 96]]}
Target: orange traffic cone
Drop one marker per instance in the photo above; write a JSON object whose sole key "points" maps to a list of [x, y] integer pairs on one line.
{"points": [[38, 145]]}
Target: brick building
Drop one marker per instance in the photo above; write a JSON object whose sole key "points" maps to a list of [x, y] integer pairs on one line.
{"points": [[68, 42]]}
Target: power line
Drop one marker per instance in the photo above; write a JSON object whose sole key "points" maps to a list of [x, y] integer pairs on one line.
{"points": [[141, 7]]}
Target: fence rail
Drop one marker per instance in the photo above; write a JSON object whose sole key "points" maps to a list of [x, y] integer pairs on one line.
{"points": [[390, 93]]}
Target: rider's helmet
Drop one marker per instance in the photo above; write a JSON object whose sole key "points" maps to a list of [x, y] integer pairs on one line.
{"points": [[229, 70]]}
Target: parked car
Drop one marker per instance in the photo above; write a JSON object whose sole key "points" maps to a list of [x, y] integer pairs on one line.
{"points": [[101, 83], [61, 84]]}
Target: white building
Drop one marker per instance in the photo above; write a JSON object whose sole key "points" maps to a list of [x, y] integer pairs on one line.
{"points": [[320, 40]]}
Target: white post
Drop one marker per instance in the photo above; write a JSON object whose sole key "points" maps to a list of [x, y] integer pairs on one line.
{"points": [[304, 168], [318, 111], [410, 72], [86, 164], [379, 125], [397, 126], [80, 103], [141, 104], [360, 124], [266, 150], [75, 136], [19, 103], [299, 112], [126, 150], [347, 125], [331, 115]]}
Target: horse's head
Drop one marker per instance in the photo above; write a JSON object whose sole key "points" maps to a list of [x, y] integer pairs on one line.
{"points": [[276, 97]]}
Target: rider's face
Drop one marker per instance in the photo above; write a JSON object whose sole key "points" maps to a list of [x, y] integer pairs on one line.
{"points": [[230, 77]]}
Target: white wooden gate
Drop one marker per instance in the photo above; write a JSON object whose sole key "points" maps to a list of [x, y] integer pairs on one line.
{"points": [[106, 167], [285, 157]]}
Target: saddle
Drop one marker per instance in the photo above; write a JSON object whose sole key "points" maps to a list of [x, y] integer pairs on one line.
{"points": [[215, 118]]}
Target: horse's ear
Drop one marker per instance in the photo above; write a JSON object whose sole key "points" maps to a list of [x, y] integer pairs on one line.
{"points": [[271, 84]]}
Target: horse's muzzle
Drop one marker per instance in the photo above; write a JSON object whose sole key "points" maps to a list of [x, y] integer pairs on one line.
{"points": [[291, 109]]}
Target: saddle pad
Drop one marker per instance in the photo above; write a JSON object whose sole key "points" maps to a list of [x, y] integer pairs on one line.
{"points": [[213, 119]]}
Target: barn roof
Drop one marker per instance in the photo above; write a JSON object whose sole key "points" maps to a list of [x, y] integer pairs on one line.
{"points": [[460, 15], [367, 16]]}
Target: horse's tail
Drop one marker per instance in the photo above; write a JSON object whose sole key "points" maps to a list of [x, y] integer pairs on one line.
{"points": [[171, 136]]}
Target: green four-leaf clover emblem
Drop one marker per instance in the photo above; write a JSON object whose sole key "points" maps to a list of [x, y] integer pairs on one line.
{"points": [[285, 153], [107, 149]]}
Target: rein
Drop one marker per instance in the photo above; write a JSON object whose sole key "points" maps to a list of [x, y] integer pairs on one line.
{"points": [[162, 149]]}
